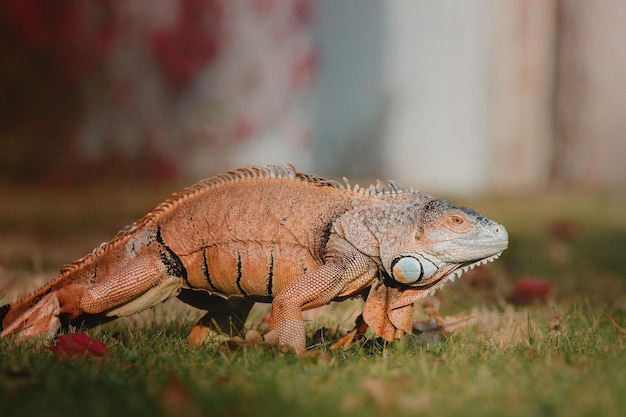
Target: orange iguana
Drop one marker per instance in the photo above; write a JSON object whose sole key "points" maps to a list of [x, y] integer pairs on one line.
{"points": [[269, 234]]}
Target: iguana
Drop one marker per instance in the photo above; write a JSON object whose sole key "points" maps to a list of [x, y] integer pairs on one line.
{"points": [[269, 234]]}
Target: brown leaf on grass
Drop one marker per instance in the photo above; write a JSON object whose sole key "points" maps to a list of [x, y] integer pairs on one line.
{"points": [[615, 325], [267, 342], [377, 390], [175, 399], [352, 402], [77, 345], [528, 290], [389, 394], [353, 336], [436, 326], [316, 356], [506, 328]]}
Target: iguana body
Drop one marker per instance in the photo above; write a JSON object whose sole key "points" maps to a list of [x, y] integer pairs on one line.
{"points": [[269, 234]]}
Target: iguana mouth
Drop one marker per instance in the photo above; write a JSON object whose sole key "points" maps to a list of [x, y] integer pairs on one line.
{"points": [[453, 272]]}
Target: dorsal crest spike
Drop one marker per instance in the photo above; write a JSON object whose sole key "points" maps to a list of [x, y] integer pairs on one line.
{"points": [[346, 181], [386, 188], [393, 187]]}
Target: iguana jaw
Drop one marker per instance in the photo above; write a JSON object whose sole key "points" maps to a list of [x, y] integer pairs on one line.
{"points": [[410, 294], [452, 272]]}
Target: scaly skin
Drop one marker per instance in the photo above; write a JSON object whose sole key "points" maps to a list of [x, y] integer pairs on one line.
{"points": [[268, 234]]}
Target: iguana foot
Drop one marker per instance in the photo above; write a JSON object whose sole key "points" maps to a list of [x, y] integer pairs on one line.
{"points": [[41, 320]]}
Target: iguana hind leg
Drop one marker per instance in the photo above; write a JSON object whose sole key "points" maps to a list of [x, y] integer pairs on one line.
{"points": [[315, 289], [136, 285], [224, 317], [139, 284]]}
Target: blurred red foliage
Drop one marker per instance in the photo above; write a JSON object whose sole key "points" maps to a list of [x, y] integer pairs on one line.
{"points": [[49, 50], [96, 89], [183, 49], [72, 33], [528, 290]]}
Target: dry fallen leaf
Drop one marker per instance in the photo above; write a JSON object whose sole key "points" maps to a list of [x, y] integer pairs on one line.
{"points": [[268, 341], [176, 400], [617, 327], [390, 393], [436, 326], [377, 390], [353, 336]]}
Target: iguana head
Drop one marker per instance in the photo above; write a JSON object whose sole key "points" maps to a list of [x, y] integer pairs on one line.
{"points": [[418, 243], [440, 243]]}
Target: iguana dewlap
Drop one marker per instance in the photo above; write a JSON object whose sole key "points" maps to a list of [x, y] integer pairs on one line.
{"points": [[269, 234]]}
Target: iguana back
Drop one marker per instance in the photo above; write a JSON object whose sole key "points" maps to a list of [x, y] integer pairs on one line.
{"points": [[251, 237]]}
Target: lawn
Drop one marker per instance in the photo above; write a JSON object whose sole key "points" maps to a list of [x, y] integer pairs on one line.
{"points": [[561, 354]]}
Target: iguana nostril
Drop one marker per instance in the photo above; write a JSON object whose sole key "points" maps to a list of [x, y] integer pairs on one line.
{"points": [[501, 233]]}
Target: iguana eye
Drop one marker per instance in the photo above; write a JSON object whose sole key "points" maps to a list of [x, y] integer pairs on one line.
{"points": [[457, 220]]}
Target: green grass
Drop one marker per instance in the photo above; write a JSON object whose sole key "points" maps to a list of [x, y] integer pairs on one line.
{"points": [[566, 356]]}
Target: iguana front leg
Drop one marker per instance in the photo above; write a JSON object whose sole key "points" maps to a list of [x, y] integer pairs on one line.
{"points": [[140, 283], [317, 288]]}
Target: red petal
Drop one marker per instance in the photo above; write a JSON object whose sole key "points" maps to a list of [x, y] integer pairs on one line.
{"points": [[76, 345]]}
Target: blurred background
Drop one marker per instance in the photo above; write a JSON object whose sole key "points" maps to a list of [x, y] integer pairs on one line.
{"points": [[461, 98], [516, 108]]}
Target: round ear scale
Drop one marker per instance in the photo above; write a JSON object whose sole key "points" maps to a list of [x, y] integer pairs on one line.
{"points": [[407, 270]]}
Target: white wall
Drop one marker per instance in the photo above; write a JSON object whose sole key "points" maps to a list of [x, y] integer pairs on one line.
{"points": [[436, 83]]}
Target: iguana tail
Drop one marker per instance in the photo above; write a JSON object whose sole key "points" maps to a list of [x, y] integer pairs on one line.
{"points": [[38, 312]]}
